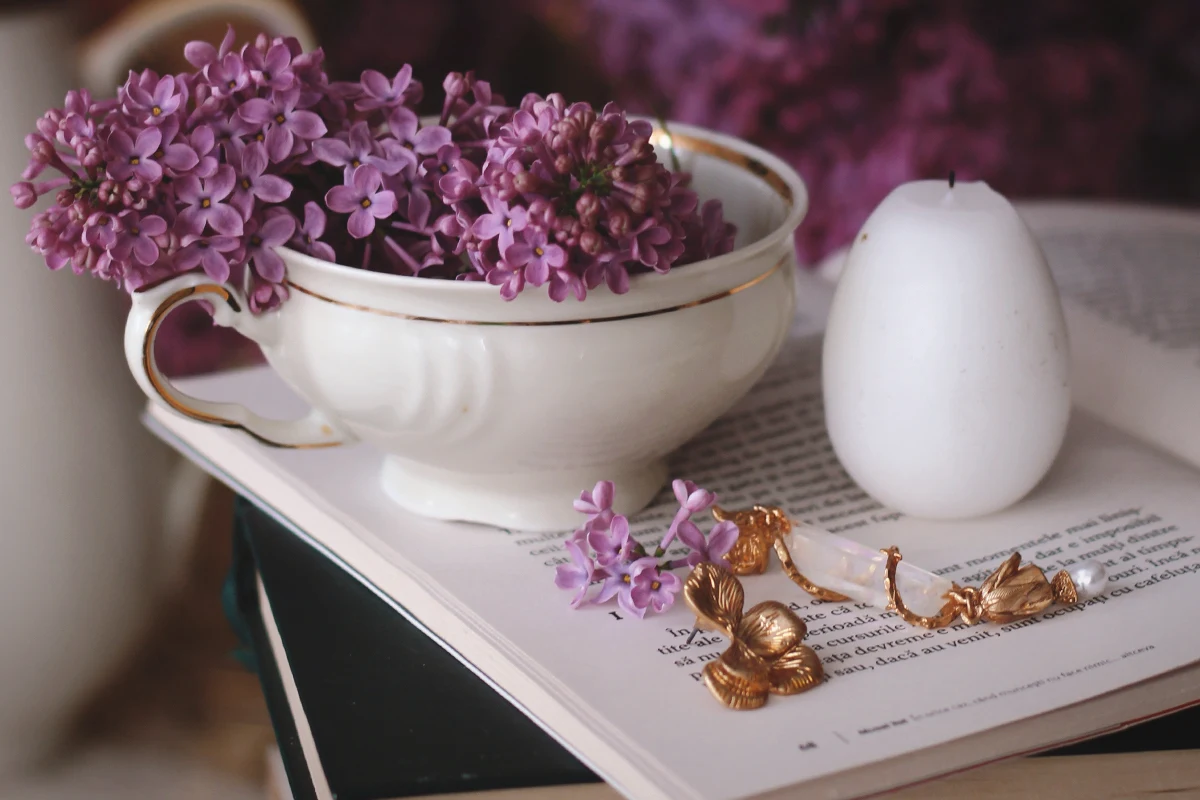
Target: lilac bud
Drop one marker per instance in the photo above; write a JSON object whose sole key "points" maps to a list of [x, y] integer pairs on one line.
{"points": [[65, 198], [43, 151], [91, 156], [526, 182], [618, 222], [587, 204], [455, 85], [564, 164], [109, 192], [591, 243], [23, 194]]}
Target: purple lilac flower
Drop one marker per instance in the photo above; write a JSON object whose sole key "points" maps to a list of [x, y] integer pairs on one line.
{"points": [[260, 241], [654, 588], [264, 295], [362, 200], [191, 170], [379, 92], [597, 503], [577, 575], [209, 252], [311, 230], [536, 255], [252, 184], [137, 237], [135, 158], [154, 105], [611, 544], [502, 224], [713, 548], [618, 583], [282, 122], [203, 197], [510, 280], [273, 68], [357, 147], [692, 500]]}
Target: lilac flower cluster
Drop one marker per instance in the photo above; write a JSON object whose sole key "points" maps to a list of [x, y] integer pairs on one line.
{"points": [[604, 552], [573, 198], [255, 149]]}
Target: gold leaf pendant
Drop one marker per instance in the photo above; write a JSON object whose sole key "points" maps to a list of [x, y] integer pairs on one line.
{"points": [[765, 656]]}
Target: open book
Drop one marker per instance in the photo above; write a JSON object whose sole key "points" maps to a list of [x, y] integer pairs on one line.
{"points": [[901, 704]]}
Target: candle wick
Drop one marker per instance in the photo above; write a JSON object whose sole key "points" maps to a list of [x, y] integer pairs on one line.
{"points": [[951, 179]]}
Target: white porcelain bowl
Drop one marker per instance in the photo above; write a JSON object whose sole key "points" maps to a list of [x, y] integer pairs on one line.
{"points": [[501, 412]]}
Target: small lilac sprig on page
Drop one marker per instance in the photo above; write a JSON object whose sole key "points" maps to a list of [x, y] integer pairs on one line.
{"points": [[603, 551]]}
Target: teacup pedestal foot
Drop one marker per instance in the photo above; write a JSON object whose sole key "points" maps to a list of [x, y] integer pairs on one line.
{"points": [[529, 501]]}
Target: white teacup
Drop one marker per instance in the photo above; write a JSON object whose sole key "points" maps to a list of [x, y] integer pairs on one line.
{"points": [[501, 412]]}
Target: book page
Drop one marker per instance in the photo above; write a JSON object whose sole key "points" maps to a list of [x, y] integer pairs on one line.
{"points": [[625, 694], [1130, 283], [1130, 280]]}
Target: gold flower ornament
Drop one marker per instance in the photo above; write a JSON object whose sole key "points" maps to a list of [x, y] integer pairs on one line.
{"points": [[765, 656]]}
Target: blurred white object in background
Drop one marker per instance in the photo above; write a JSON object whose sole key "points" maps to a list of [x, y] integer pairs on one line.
{"points": [[85, 544]]}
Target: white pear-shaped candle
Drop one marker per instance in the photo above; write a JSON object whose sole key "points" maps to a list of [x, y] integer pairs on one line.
{"points": [[945, 361]]}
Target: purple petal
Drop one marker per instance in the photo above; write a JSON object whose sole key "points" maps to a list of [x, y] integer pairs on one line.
{"points": [[307, 125], [149, 171], [314, 220], [277, 60], [419, 208], [279, 143], [269, 265], [145, 250], [153, 225], [342, 199], [519, 254], [276, 231], [554, 255], [256, 110], [190, 222], [215, 265], [383, 204], [537, 271], [367, 179], [147, 142], [199, 54], [488, 226], [722, 538], [225, 219], [220, 185], [603, 494], [332, 151], [376, 83], [180, 157], [254, 159], [360, 224], [430, 139], [272, 189], [690, 535]]}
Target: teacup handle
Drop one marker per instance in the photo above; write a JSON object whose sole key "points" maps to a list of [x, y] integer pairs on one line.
{"points": [[150, 308]]}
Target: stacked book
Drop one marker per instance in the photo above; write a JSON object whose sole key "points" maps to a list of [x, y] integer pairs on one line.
{"points": [[418, 657]]}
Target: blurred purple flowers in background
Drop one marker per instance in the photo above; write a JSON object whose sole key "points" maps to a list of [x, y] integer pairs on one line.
{"points": [[604, 551], [861, 96]]}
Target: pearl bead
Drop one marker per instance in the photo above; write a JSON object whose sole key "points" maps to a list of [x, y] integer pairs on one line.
{"points": [[1089, 579]]}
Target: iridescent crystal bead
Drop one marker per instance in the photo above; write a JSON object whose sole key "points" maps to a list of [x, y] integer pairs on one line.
{"points": [[855, 570]]}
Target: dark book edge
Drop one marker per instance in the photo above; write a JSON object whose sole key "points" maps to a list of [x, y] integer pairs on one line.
{"points": [[385, 703], [244, 575]]}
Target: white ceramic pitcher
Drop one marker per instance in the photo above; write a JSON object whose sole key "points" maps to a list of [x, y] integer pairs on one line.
{"points": [[82, 549]]}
